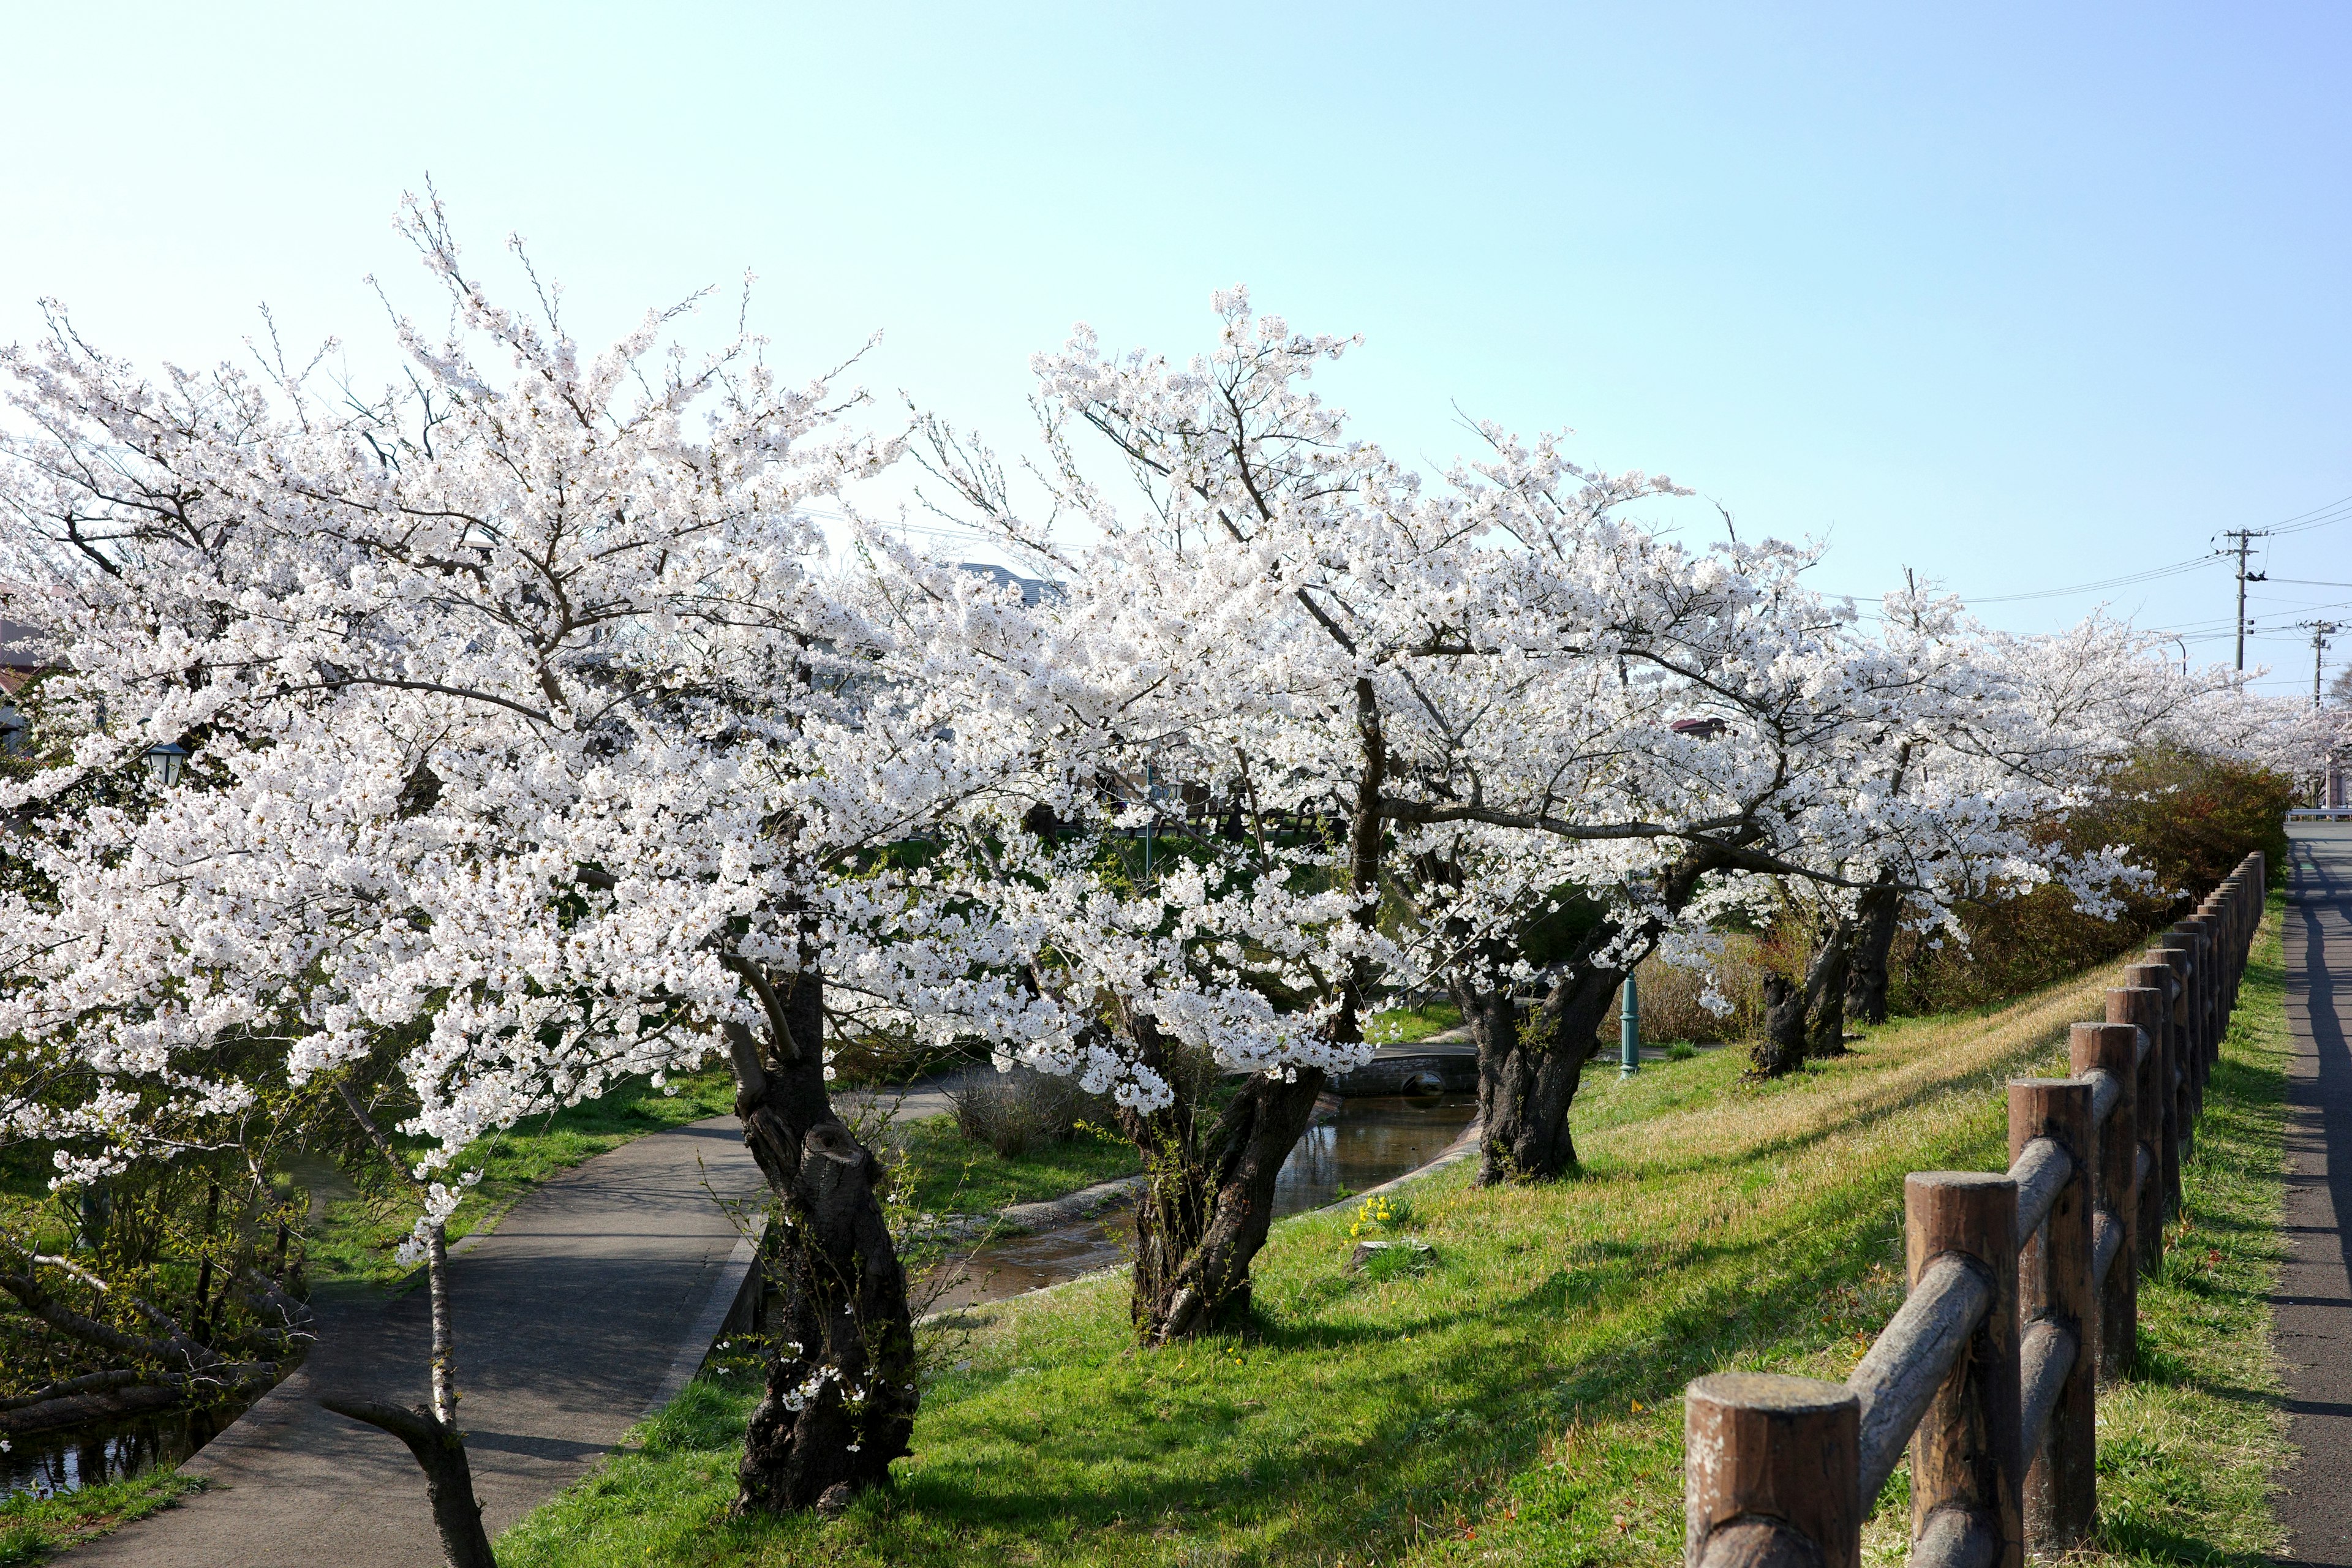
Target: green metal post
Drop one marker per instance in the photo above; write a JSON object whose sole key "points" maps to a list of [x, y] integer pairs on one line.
{"points": [[1628, 1031]]}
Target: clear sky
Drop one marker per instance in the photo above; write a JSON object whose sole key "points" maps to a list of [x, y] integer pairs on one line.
{"points": [[2022, 297]]}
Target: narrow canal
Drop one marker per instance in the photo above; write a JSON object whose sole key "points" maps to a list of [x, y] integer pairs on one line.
{"points": [[1371, 1140]]}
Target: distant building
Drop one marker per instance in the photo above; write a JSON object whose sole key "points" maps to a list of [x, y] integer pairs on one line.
{"points": [[17, 666], [1032, 589]]}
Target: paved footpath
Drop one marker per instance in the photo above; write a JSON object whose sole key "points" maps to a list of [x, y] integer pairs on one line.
{"points": [[593, 1301], [2314, 1307]]}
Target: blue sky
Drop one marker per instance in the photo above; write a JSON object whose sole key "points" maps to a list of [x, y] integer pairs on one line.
{"points": [[2022, 297]]}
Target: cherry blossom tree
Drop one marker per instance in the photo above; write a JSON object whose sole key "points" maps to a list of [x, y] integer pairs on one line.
{"points": [[2014, 735], [1222, 634], [530, 746]]}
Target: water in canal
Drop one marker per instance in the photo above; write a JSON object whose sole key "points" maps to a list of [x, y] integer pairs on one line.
{"points": [[1371, 1140], [48, 1463]]}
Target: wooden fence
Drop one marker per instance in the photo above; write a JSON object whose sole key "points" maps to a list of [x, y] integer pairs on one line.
{"points": [[2023, 1297]]}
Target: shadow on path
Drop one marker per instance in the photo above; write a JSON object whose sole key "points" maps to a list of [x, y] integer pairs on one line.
{"points": [[2313, 1307]]}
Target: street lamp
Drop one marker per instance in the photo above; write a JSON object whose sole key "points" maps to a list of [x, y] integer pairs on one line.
{"points": [[1629, 1030], [1629, 1016], [165, 760]]}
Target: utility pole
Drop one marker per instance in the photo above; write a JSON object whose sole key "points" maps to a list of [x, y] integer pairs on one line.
{"points": [[2320, 631], [2245, 538]]}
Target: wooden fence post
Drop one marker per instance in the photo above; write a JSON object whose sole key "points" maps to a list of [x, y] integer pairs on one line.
{"points": [[2157, 1104], [2058, 1308], [2234, 904], [2223, 908], [2245, 917], [1966, 1456], [1771, 1472], [2141, 1004], [1991, 1367], [2113, 1049], [2204, 985], [2179, 1048]]}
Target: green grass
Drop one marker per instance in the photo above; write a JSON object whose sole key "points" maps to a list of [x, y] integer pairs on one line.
{"points": [[2188, 1449], [356, 1238], [935, 1169], [1518, 1400], [1405, 1024], [32, 1528]]}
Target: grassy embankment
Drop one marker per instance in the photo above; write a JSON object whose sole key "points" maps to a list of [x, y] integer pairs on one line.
{"points": [[1518, 1402], [32, 1529]]}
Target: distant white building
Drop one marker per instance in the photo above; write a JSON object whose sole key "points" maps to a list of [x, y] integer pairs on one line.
{"points": [[1032, 589]]}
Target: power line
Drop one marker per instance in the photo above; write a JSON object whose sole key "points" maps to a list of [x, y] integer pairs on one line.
{"points": [[2124, 582], [2335, 511], [2327, 516]]}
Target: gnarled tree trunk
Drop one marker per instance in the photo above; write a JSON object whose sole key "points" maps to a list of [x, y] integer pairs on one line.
{"points": [[1873, 940], [1781, 1049], [1204, 1214], [840, 1388], [1808, 1020], [1528, 1074], [1826, 994]]}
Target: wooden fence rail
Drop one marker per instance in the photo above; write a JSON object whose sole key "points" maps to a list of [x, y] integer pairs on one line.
{"points": [[2024, 1295]]}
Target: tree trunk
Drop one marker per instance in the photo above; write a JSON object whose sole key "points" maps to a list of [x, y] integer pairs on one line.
{"points": [[1202, 1220], [431, 1431], [440, 1451], [1782, 1047], [1528, 1076], [1874, 938], [1825, 995], [841, 1386]]}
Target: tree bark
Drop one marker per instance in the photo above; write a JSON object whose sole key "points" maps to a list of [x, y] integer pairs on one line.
{"points": [[1808, 1020], [1782, 1047], [841, 1393], [440, 1451], [1873, 940], [1203, 1219], [1826, 994], [1528, 1076]]}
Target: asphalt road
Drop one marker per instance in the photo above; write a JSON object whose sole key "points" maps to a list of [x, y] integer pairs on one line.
{"points": [[593, 1301], [2313, 1309]]}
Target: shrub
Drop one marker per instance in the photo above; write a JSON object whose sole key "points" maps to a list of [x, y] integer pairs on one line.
{"points": [[1014, 1112], [1671, 1009], [2190, 818]]}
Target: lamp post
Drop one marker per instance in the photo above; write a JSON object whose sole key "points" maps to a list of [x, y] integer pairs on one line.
{"points": [[1629, 1030], [165, 760]]}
